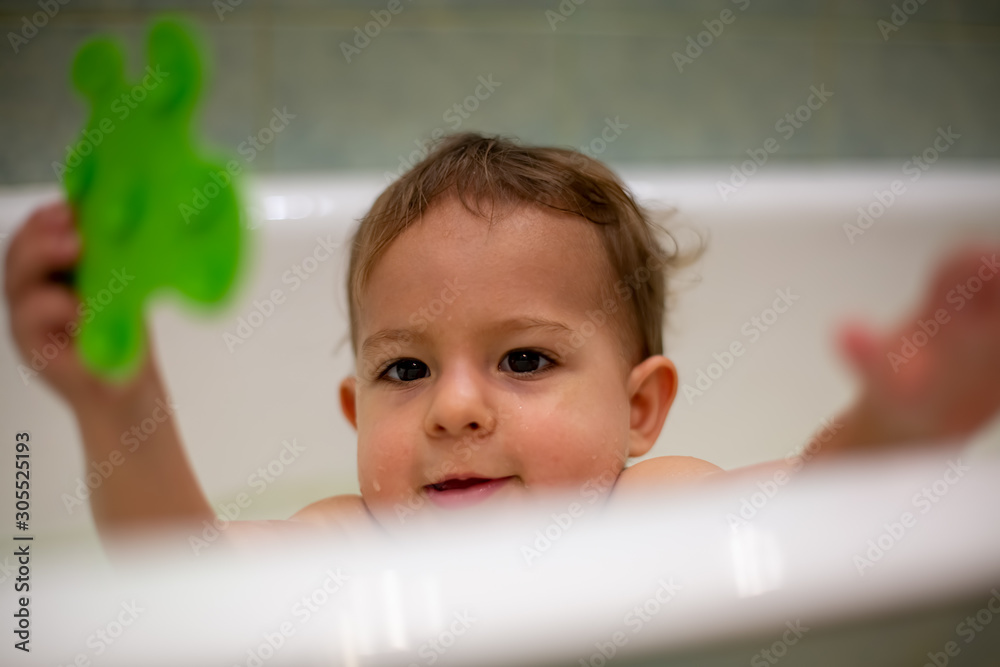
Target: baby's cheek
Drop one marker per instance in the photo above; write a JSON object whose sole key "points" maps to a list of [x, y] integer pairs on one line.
{"points": [[387, 495], [384, 457], [575, 452]]}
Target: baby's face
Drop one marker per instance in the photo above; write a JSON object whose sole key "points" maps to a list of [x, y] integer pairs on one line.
{"points": [[479, 380]]}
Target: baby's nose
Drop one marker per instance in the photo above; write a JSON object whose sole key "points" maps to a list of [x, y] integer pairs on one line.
{"points": [[459, 405]]}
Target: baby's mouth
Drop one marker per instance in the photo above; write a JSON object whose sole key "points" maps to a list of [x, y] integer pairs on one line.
{"points": [[450, 484], [453, 493]]}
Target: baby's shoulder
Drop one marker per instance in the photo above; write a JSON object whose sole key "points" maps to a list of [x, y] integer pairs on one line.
{"points": [[342, 517], [663, 471], [347, 512]]}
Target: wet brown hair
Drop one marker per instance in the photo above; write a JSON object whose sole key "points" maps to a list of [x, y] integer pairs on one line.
{"points": [[490, 175]]}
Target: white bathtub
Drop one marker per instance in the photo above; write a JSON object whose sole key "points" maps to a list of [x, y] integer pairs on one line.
{"points": [[784, 230], [838, 567], [781, 231]]}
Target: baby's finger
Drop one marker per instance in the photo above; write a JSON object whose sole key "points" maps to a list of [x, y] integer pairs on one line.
{"points": [[859, 346], [41, 249], [49, 309], [45, 326], [54, 217]]}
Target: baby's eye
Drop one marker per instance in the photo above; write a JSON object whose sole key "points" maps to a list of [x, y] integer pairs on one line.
{"points": [[407, 370], [524, 361]]}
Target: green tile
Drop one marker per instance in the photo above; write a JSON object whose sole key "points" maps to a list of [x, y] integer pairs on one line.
{"points": [[399, 89], [610, 59], [895, 95], [725, 101]]}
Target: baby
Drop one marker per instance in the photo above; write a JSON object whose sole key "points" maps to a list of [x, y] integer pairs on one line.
{"points": [[506, 310]]}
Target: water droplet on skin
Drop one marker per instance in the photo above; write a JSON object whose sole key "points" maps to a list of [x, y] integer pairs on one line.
{"points": [[378, 487]]}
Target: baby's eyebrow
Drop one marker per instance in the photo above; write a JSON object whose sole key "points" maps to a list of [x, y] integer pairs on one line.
{"points": [[387, 337], [406, 335], [523, 323]]}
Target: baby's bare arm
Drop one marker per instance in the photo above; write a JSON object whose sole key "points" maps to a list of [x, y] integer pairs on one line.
{"points": [[932, 379], [153, 483], [935, 376]]}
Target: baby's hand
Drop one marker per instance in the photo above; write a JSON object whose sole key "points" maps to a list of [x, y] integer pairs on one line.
{"points": [[938, 376], [44, 309]]}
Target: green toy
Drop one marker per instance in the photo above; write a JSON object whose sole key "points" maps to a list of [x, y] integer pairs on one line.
{"points": [[152, 213]]}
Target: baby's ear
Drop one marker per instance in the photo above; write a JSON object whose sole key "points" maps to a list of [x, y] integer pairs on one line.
{"points": [[348, 400], [652, 386]]}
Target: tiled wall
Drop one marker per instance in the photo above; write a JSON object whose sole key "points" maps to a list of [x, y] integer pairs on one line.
{"points": [[558, 82]]}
